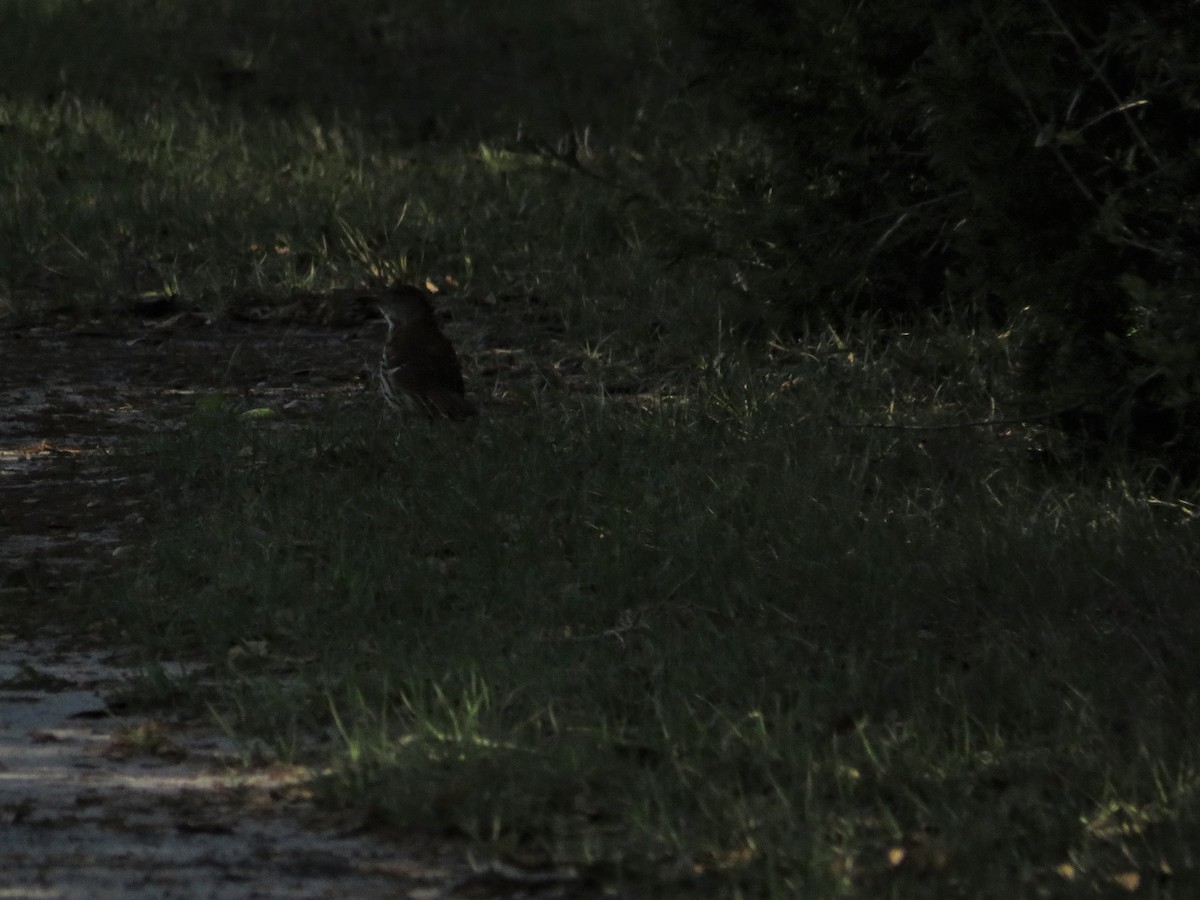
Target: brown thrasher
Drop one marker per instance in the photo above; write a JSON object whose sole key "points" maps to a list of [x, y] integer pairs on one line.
{"points": [[419, 371]]}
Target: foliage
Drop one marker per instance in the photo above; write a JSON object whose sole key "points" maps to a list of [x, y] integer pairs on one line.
{"points": [[1036, 162]]}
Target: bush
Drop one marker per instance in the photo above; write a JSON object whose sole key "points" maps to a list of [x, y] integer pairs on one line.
{"points": [[1035, 163]]}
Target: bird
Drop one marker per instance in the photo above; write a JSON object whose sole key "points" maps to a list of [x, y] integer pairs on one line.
{"points": [[419, 370]]}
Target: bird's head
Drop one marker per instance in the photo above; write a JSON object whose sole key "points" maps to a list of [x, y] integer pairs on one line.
{"points": [[404, 305]]}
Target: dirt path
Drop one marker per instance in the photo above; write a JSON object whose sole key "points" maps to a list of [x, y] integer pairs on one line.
{"points": [[97, 804], [101, 805], [68, 395]]}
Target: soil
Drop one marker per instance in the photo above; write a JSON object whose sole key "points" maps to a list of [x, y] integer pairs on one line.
{"points": [[96, 803]]}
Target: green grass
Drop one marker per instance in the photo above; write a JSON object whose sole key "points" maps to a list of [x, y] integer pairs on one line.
{"points": [[307, 145], [697, 640], [702, 644]]}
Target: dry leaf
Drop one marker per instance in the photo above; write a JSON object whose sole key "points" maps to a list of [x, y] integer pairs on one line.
{"points": [[1130, 881]]}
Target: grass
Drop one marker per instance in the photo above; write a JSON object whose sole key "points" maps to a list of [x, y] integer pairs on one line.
{"points": [[249, 164], [700, 645], [666, 613]]}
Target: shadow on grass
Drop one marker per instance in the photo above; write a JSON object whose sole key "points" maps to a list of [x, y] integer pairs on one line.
{"points": [[712, 645], [414, 71]]}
